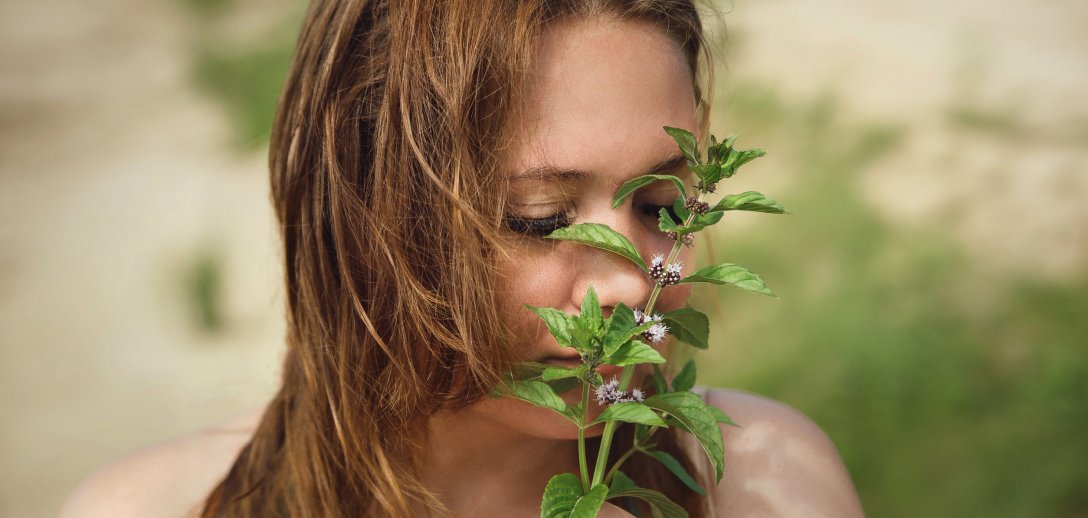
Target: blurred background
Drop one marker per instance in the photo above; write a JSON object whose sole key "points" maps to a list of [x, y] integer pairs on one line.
{"points": [[933, 283]]}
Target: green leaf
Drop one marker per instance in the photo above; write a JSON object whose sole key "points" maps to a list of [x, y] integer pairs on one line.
{"points": [[660, 503], [665, 222], [553, 373], [689, 326], [634, 184], [708, 173], [619, 328], [559, 323], [562, 386], [660, 385], [634, 352], [739, 158], [738, 276], [620, 482], [697, 418], [600, 236], [560, 496], [710, 218], [630, 412], [720, 416], [535, 392], [750, 201], [677, 469], [687, 143], [685, 379], [589, 505], [591, 307]]}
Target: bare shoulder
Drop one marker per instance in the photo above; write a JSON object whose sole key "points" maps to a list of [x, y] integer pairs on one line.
{"points": [[168, 480], [779, 462]]}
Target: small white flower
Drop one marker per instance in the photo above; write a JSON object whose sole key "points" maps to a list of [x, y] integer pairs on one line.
{"points": [[609, 392], [674, 267], [657, 260], [656, 332], [636, 395]]}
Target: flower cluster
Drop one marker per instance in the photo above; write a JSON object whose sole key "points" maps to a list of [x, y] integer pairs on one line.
{"points": [[688, 239], [609, 393], [699, 207], [664, 275], [657, 331], [708, 188]]}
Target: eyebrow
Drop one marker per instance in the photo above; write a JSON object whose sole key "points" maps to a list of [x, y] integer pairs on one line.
{"points": [[551, 173]]}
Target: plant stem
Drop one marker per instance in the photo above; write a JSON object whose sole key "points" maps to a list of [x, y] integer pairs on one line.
{"points": [[628, 373], [619, 462], [582, 438], [606, 437]]}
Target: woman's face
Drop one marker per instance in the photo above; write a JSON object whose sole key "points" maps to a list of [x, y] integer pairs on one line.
{"points": [[602, 90]]}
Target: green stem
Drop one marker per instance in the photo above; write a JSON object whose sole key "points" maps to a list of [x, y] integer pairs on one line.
{"points": [[629, 371], [582, 438], [609, 430], [619, 462]]}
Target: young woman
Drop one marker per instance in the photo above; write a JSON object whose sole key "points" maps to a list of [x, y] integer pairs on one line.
{"points": [[420, 151]]}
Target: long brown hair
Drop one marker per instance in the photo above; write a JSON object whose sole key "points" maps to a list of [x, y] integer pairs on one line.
{"points": [[385, 179]]}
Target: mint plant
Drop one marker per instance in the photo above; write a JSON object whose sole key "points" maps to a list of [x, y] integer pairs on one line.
{"points": [[621, 340]]}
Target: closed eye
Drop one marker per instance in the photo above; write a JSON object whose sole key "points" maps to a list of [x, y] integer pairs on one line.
{"points": [[536, 227], [653, 210]]}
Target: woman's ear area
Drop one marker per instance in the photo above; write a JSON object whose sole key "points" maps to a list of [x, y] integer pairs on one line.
{"points": [[780, 463]]}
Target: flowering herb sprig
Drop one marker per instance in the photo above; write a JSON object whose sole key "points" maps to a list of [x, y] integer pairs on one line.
{"points": [[621, 340]]}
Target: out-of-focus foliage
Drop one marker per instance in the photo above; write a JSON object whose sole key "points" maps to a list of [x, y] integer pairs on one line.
{"points": [[948, 392], [246, 76]]}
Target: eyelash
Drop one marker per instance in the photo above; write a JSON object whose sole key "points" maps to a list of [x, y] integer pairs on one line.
{"points": [[540, 227]]}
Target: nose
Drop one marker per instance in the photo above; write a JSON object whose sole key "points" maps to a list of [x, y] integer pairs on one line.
{"points": [[615, 279]]}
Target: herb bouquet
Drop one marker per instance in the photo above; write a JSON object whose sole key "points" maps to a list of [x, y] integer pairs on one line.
{"points": [[621, 340]]}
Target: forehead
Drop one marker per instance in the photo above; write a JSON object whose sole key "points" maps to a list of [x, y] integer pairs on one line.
{"points": [[601, 91]]}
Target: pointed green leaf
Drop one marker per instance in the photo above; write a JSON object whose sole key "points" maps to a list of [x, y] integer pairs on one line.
{"points": [[630, 412], [589, 505], [660, 385], [749, 201], [685, 379], [633, 352], [708, 173], [620, 482], [591, 306], [689, 326], [739, 158], [558, 322], [720, 416], [619, 328], [660, 503], [553, 373], [736, 275], [665, 222], [705, 220], [562, 386], [697, 418], [687, 143], [677, 469], [600, 236], [535, 392], [634, 184], [560, 496]]}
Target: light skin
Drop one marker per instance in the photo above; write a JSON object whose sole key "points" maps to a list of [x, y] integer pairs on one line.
{"points": [[603, 90]]}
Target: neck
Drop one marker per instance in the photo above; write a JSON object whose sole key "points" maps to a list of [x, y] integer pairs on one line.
{"points": [[469, 455]]}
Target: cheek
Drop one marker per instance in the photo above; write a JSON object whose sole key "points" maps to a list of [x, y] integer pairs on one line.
{"points": [[535, 279]]}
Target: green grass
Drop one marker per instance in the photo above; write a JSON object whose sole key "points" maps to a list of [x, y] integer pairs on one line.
{"points": [[948, 393]]}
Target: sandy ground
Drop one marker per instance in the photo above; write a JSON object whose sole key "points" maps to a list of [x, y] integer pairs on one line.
{"points": [[115, 173]]}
